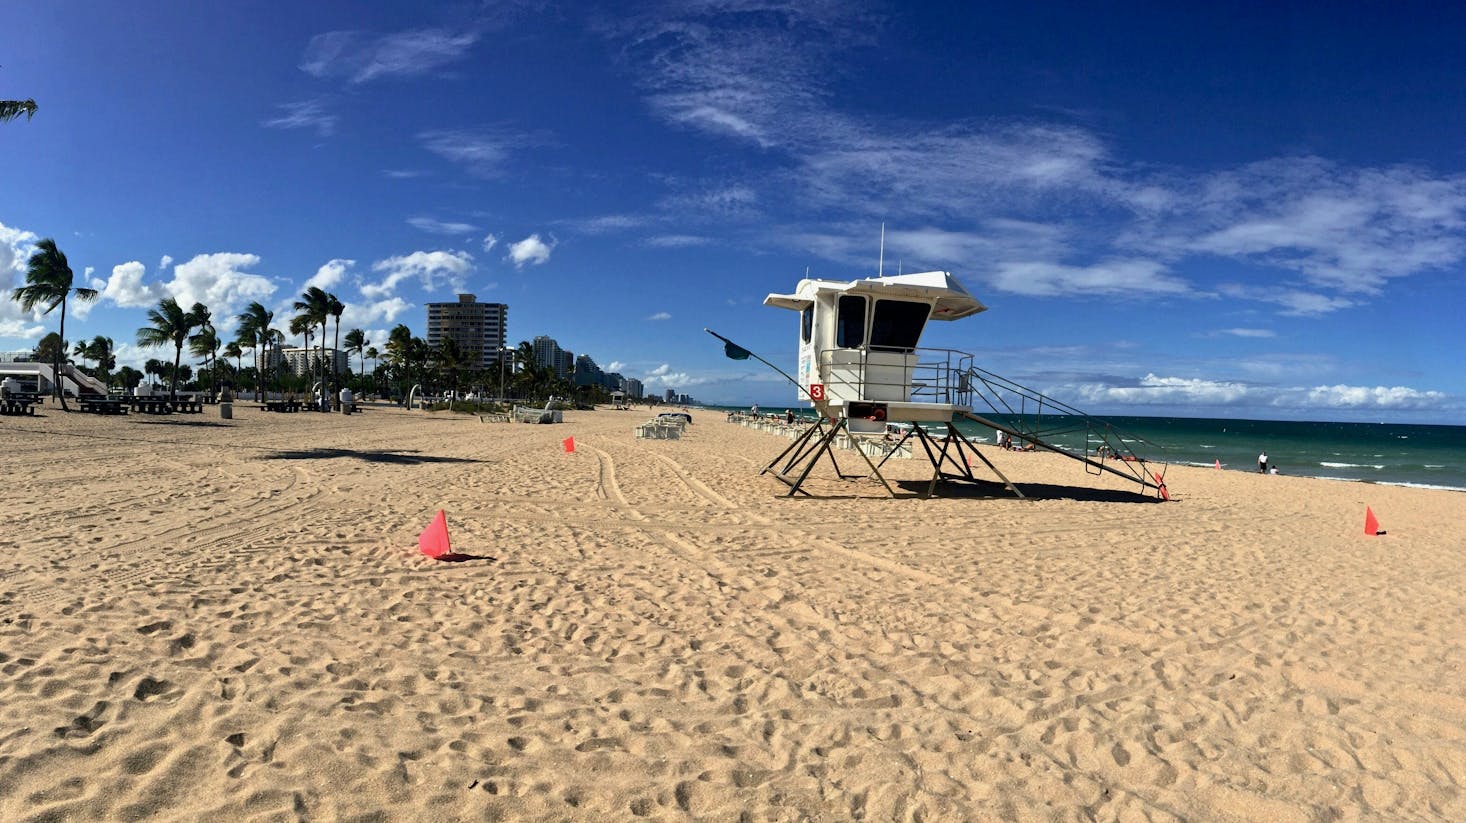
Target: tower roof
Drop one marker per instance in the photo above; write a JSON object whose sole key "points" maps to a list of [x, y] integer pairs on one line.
{"points": [[952, 300]]}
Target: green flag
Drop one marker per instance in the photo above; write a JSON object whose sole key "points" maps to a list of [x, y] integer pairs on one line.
{"points": [[735, 351]]}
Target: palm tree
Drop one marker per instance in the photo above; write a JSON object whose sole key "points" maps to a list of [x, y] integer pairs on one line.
{"points": [[450, 358], [232, 349], [356, 343], [171, 324], [255, 332], [102, 351], [80, 351], [312, 309], [11, 109], [205, 344], [155, 368], [48, 280], [335, 308]]}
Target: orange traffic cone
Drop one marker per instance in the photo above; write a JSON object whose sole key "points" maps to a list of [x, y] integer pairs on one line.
{"points": [[1219, 462], [433, 541], [1371, 524], [569, 444]]}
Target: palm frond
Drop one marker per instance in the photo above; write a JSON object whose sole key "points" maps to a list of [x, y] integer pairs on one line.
{"points": [[11, 109]]}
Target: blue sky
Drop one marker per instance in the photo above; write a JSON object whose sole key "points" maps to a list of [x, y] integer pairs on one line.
{"points": [[1252, 211]]}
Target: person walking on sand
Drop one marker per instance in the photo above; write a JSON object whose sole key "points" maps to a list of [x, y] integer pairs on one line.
{"points": [[1262, 462]]}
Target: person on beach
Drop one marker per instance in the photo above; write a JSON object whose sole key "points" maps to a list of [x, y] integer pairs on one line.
{"points": [[1262, 462], [789, 417], [755, 410]]}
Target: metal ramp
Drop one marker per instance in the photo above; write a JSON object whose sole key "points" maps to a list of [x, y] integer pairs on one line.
{"points": [[1035, 418]]}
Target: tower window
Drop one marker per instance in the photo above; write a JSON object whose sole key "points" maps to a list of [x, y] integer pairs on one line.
{"points": [[850, 322]]}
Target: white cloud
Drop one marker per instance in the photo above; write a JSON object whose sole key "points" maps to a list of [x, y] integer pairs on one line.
{"points": [[676, 241], [1257, 333], [402, 174], [430, 268], [664, 376], [1114, 277], [531, 250], [720, 202], [1377, 397], [608, 223], [1340, 228], [1295, 302], [359, 56], [16, 248], [615, 365], [129, 353], [1154, 390], [387, 310], [490, 241], [661, 315], [304, 114], [482, 152], [165, 262], [219, 282], [125, 287], [434, 226], [329, 274]]}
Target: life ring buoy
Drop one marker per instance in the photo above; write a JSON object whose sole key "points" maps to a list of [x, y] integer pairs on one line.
{"points": [[878, 414]]}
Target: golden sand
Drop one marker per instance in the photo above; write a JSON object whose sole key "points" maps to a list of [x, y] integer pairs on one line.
{"points": [[229, 619]]}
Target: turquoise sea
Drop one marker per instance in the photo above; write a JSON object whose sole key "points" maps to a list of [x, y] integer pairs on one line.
{"points": [[1395, 453]]}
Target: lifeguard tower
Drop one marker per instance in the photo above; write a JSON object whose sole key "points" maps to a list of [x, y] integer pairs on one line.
{"points": [[861, 367]]}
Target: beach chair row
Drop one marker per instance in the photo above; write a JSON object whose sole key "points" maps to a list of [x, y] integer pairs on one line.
{"points": [[873, 446], [661, 428]]}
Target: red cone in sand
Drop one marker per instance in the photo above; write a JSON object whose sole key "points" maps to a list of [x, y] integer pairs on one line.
{"points": [[434, 539], [569, 444], [1219, 462], [1371, 525]]}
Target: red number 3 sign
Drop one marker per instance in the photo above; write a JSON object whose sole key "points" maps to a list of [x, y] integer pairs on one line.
{"points": [[817, 391]]}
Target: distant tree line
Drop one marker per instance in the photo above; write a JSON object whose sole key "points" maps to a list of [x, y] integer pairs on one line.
{"points": [[403, 362]]}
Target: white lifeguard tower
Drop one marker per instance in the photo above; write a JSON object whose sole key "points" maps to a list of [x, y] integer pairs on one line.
{"points": [[861, 367], [858, 345]]}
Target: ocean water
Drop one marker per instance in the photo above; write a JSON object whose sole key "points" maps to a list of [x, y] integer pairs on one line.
{"points": [[1394, 453]]}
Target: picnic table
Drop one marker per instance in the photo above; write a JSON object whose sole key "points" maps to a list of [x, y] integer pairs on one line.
{"points": [[102, 405], [150, 405], [18, 403], [282, 405]]}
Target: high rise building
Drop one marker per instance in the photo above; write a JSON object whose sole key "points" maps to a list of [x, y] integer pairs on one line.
{"points": [[549, 355], [478, 328], [632, 387], [305, 362]]}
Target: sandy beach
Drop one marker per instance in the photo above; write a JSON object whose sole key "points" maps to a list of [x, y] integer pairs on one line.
{"points": [[230, 619]]}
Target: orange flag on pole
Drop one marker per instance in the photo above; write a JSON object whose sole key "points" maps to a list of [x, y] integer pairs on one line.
{"points": [[569, 444]]}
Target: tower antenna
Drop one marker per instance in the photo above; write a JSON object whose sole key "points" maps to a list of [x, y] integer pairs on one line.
{"points": [[881, 266]]}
